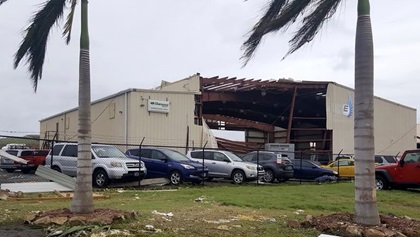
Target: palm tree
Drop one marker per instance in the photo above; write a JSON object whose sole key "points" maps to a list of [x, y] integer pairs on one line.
{"points": [[33, 48], [279, 15]]}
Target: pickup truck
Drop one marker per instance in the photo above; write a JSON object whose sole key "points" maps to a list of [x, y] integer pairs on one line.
{"points": [[34, 157], [404, 174]]}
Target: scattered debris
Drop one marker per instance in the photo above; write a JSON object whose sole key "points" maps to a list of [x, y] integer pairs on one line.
{"points": [[299, 211], [199, 199], [169, 214]]}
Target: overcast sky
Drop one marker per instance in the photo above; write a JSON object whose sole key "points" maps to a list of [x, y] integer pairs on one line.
{"points": [[137, 44]]}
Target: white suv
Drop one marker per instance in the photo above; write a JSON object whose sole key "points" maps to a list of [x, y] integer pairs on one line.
{"points": [[225, 164], [108, 163]]}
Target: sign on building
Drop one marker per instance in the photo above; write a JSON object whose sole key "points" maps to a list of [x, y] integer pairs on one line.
{"points": [[158, 106]]}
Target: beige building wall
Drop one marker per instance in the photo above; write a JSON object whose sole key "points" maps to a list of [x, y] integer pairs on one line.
{"points": [[395, 124], [125, 118]]}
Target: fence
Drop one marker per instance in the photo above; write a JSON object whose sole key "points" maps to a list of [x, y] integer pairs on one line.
{"points": [[63, 158]]}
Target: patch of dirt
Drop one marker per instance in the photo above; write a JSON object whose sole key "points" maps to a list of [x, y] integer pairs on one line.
{"points": [[342, 224], [64, 216]]}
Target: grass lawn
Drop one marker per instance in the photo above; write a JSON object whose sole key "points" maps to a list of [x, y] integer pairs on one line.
{"points": [[242, 210]]}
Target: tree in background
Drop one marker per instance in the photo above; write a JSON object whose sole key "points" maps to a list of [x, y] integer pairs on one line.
{"points": [[279, 15], [33, 48]]}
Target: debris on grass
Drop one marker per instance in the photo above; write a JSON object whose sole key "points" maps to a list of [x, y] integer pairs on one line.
{"points": [[169, 214]]}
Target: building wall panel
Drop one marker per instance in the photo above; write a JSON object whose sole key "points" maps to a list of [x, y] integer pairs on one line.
{"points": [[394, 123]]}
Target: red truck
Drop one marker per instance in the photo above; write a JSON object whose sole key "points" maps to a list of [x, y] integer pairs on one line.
{"points": [[404, 174], [34, 157]]}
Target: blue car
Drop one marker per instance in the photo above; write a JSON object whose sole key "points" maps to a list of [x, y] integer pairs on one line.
{"points": [[305, 169], [166, 163]]}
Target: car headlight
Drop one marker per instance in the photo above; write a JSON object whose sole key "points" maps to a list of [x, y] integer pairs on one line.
{"points": [[116, 164], [142, 164], [250, 167], [188, 167], [335, 172]]}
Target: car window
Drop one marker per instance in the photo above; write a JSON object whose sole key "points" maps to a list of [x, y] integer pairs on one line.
{"points": [[209, 155], [343, 163], [107, 152], [412, 158], [233, 156], [146, 153], [390, 159], [265, 157], [378, 160], [220, 157], [248, 157], [11, 152], [70, 150], [27, 153], [56, 150], [176, 155], [134, 152], [196, 154], [157, 155]]}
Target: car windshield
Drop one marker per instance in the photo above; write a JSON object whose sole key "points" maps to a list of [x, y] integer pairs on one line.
{"points": [[176, 155], [107, 152], [233, 156]]}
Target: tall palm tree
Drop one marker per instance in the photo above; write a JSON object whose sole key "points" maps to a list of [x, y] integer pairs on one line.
{"points": [[279, 15], [33, 48]]}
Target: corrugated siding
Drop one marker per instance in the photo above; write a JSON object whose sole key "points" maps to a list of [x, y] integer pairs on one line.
{"points": [[395, 125], [163, 128]]}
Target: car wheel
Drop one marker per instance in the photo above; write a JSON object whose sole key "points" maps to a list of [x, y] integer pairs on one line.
{"points": [[238, 176], [175, 177], [56, 168], [100, 178], [10, 170], [381, 183], [269, 176]]}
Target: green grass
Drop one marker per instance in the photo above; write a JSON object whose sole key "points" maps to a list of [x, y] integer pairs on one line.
{"points": [[249, 207]]}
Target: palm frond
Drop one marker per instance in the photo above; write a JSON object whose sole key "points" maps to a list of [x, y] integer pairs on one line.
{"points": [[69, 21], [2, 1], [34, 44], [312, 23], [278, 16]]}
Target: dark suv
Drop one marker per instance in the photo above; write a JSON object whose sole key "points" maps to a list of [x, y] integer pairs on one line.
{"points": [[276, 165]]}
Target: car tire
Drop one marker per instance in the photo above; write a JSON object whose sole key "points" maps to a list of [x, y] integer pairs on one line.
{"points": [[56, 168], [269, 176], [175, 178], [238, 176], [10, 170], [381, 183], [100, 178]]}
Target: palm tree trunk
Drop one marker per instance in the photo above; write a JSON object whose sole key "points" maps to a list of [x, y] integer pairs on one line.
{"points": [[366, 210], [82, 201]]}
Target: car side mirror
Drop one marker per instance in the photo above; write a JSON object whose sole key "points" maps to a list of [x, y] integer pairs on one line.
{"points": [[401, 163], [164, 160], [226, 160]]}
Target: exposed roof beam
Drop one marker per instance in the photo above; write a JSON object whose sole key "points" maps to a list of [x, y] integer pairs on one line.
{"points": [[243, 122]]}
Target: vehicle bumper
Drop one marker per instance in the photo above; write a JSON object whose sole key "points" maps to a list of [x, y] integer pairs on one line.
{"points": [[134, 174], [252, 174], [17, 166], [195, 176]]}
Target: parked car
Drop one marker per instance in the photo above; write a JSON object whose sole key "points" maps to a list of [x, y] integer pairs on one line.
{"points": [[169, 164], [305, 169], [276, 165], [344, 167], [225, 164], [108, 163], [404, 174], [385, 160], [34, 157]]}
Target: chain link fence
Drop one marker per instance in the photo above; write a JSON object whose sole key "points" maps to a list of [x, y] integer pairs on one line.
{"points": [[133, 164]]}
